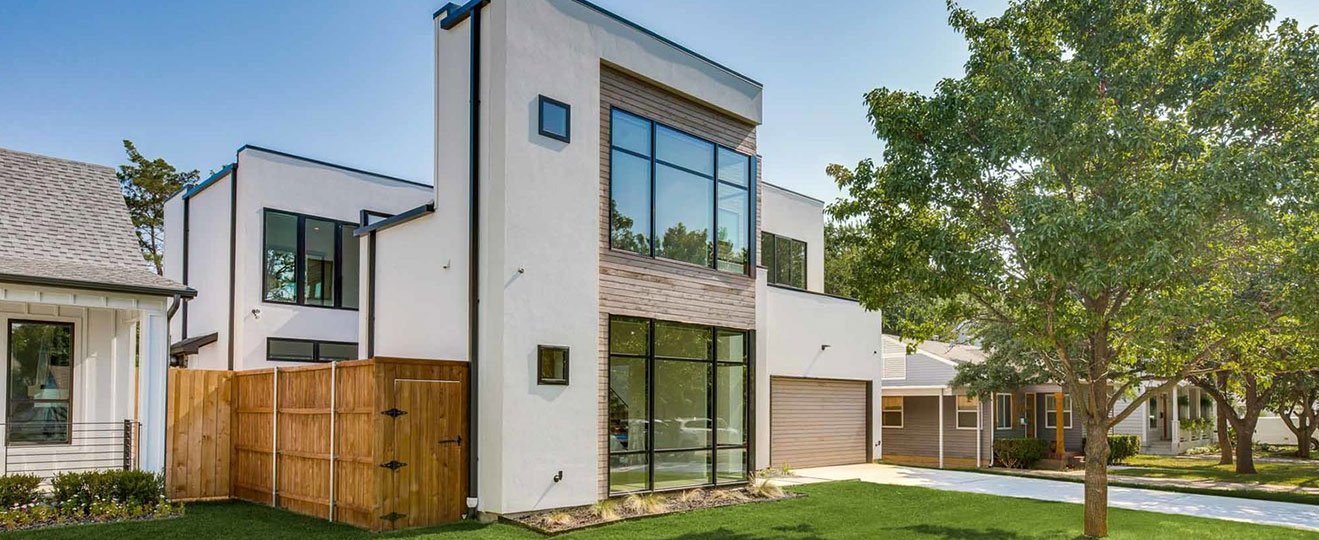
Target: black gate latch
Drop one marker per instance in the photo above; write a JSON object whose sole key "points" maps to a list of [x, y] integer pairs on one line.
{"points": [[393, 413], [393, 516], [393, 465]]}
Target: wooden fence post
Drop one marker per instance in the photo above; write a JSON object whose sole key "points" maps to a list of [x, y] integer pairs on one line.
{"points": [[334, 389], [274, 439]]}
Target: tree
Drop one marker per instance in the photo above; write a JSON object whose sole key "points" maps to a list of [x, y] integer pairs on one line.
{"points": [[1297, 396], [146, 184], [1076, 193], [839, 261]]}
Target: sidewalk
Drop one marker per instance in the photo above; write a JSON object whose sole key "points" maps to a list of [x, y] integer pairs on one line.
{"points": [[1171, 482], [1302, 516]]}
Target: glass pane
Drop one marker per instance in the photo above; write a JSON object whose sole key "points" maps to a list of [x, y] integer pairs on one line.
{"points": [[733, 228], [554, 118], [683, 211], [681, 469], [966, 419], [893, 419], [627, 473], [630, 132], [892, 403], [351, 249], [678, 340], [682, 408], [630, 203], [767, 253], [39, 422], [40, 361], [733, 167], [799, 264], [281, 258], [337, 352], [782, 261], [627, 404], [684, 150], [732, 346], [629, 336], [553, 364], [731, 401], [290, 351], [731, 465], [319, 262]]}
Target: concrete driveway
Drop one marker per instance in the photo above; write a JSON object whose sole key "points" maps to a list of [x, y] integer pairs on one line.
{"points": [[1302, 516]]}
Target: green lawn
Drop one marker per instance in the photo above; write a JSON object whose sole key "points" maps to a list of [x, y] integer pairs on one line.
{"points": [[1297, 474], [843, 510]]}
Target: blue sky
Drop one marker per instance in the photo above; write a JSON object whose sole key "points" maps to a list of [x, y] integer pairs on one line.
{"points": [[351, 81]]}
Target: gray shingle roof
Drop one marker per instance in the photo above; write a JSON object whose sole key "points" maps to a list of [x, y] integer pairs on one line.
{"points": [[65, 223]]}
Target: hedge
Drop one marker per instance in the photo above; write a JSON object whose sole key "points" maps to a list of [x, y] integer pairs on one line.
{"points": [[1020, 453], [19, 490], [1122, 447]]}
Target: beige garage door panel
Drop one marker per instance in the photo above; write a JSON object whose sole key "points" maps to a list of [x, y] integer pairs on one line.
{"points": [[816, 422]]}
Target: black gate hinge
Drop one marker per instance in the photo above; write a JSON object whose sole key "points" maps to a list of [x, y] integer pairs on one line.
{"points": [[393, 413], [393, 516], [393, 465]]}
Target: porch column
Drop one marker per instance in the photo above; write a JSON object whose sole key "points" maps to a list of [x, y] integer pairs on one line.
{"points": [[980, 430], [151, 376], [1173, 425], [941, 421], [1059, 444]]}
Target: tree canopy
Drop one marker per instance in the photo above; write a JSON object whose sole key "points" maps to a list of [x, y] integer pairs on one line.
{"points": [[146, 184]]}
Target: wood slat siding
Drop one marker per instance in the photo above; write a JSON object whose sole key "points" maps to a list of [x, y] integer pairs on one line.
{"points": [[919, 434], [208, 459], [199, 435], [818, 422], [642, 286]]}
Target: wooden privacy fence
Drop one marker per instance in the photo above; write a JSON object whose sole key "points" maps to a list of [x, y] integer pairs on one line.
{"points": [[374, 443]]}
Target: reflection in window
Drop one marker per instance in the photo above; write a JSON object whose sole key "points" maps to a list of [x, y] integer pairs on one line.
{"points": [[784, 259], [350, 283], [676, 196], [891, 413], [318, 262], [40, 382], [698, 433], [281, 257], [309, 350]]}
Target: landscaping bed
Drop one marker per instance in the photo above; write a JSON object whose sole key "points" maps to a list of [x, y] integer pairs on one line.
{"points": [[563, 520], [81, 498]]}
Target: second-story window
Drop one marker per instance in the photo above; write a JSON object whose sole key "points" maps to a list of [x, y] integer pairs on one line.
{"points": [[676, 196], [308, 260], [784, 259]]}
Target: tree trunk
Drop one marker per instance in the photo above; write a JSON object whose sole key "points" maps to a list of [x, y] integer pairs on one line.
{"points": [[1096, 477], [1245, 438], [1224, 438]]}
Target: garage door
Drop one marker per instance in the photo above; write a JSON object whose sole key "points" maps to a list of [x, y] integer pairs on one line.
{"points": [[818, 422]]}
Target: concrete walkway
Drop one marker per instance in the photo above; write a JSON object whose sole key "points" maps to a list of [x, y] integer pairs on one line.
{"points": [[1079, 474], [1302, 516]]}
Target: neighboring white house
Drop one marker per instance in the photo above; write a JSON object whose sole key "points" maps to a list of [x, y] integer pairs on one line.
{"points": [[85, 321], [1171, 422], [592, 253], [269, 241]]}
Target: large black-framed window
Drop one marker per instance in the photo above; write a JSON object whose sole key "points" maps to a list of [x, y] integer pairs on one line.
{"points": [[309, 260], [39, 404], [677, 196], [309, 350], [679, 405], [784, 259]]}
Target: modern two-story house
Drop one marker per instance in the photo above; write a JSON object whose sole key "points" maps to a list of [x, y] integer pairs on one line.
{"points": [[269, 237], [636, 309]]}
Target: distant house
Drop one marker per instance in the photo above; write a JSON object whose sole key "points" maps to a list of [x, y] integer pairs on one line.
{"points": [[268, 239], [85, 321]]}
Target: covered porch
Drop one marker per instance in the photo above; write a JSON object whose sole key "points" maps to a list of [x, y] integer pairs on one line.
{"points": [[1177, 420], [85, 373]]}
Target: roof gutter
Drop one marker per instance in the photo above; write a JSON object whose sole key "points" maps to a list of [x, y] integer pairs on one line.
{"points": [[95, 286], [454, 14]]}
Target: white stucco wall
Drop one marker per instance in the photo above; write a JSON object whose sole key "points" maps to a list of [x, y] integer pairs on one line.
{"points": [[796, 326], [799, 217], [208, 268]]}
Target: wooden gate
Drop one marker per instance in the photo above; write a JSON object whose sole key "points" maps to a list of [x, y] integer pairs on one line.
{"points": [[429, 425]]}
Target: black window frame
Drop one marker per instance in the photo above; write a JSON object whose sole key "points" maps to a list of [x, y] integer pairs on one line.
{"points": [[540, 372], [748, 265], [9, 373], [315, 349], [300, 278], [769, 253], [543, 100], [712, 404]]}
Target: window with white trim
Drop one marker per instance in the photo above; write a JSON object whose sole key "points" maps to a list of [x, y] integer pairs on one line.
{"points": [[1003, 411], [891, 415], [968, 412], [1051, 411]]}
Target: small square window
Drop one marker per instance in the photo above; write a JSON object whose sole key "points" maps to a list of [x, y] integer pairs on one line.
{"points": [[551, 365], [555, 119]]}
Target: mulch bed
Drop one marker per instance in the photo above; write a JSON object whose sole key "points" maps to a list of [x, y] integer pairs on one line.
{"points": [[562, 520]]}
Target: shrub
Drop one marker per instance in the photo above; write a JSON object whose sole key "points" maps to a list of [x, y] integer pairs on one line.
{"points": [[1122, 447], [80, 490], [1020, 453], [19, 490]]}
